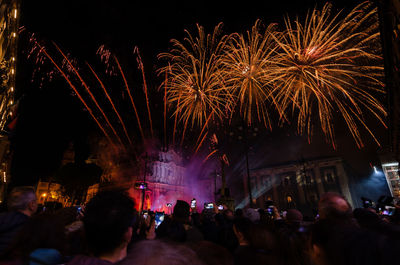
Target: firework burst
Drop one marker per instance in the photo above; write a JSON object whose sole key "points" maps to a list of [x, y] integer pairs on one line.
{"points": [[194, 84], [330, 63], [246, 67]]}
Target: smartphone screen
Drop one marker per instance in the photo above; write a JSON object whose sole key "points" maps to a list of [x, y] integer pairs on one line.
{"points": [[220, 207], [159, 218], [193, 203], [145, 215], [389, 210]]}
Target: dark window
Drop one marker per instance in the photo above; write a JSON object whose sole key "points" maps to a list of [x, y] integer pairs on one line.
{"points": [[286, 181], [329, 177], [308, 179]]}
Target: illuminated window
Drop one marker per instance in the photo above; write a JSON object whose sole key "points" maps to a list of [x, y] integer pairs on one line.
{"points": [[289, 199]]}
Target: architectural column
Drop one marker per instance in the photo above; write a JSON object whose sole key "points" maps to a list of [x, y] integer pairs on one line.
{"points": [[318, 179], [344, 183], [258, 191], [300, 188], [274, 181], [246, 189]]}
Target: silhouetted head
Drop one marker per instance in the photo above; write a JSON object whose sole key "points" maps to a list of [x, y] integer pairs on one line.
{"points": [[107, 221], [334, 206], [181, 211]]}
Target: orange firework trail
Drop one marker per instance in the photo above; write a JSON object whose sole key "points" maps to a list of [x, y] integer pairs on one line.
{"points": [[175, 121], [77, 93], [184, 131], [130, 96], [202, 130], [213, 152], [110, 100], [90, 93], [140, 64], [165, 109], [201, 142]]}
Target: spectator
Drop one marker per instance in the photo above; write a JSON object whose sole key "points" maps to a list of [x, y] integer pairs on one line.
{"points": [[252, 214], [212, 254], [152, 252], [107, 224], [22, 204], [373, 222], [333, 206], [239, 213], [70, 218], [41, 240], [254, 244], [333, 244], [294, 217], [179, 227]]}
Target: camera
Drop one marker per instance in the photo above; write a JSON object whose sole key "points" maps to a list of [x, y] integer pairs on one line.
{"points": [[141, 185], [193, 203], [208, 205], [270, 210], [367, 203]]}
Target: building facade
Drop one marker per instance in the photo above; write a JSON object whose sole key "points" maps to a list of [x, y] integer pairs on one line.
{"points": [[9, 19], [389, 20], [299, 184], [50, 192]]}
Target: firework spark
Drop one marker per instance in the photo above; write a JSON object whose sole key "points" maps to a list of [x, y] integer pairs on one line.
{"points": [[330, 63], [111, 101], [90, 93], [42, 49], [195, 86], [246, 65], [130, 97], [209, 155]]}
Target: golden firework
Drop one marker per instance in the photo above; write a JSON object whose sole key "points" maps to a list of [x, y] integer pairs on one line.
{"points": [[194, 85], [327, 64], [246, 70]]}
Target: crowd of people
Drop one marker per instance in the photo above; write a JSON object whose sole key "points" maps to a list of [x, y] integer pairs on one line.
{"points": [[109, 230]]}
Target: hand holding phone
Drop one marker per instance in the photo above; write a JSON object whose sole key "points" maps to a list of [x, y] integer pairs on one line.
{"points": [[159, 218], [193, 203]]}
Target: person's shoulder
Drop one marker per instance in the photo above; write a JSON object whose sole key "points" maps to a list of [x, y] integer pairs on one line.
{"points": [[87, 260], [12, 218]]}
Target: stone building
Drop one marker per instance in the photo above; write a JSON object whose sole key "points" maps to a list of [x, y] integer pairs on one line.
{"points": [[299, 184], [165, 180]]}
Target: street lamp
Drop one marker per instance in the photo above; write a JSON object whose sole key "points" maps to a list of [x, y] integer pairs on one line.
{"points": [[245, 133]]}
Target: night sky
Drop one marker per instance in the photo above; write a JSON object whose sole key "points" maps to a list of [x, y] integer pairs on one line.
{"points": [[50, 117]]}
